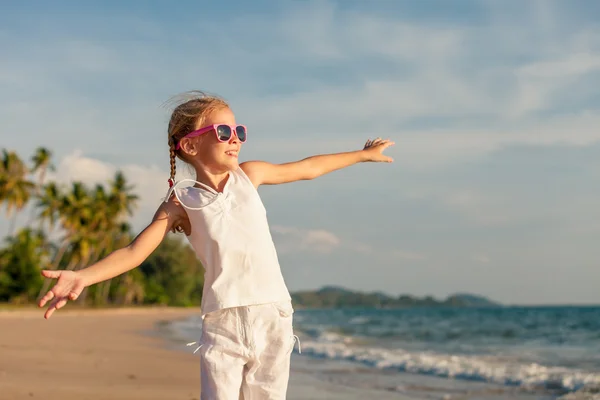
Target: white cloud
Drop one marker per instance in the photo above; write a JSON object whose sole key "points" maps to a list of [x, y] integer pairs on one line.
{"points": [[77, 167], [542, 84], [149, 182], [291, 239]]}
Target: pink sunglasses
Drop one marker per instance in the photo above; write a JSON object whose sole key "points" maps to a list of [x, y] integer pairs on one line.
{"points": [[224, 133]]}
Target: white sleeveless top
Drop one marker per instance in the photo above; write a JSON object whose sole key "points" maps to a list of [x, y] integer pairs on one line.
{"points": [[231, 237]]}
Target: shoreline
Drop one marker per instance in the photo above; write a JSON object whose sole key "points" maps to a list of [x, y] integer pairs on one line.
{"points": [[33, 310]]}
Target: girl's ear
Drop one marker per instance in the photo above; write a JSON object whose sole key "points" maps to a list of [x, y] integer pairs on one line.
{"points": [[189, 146]]}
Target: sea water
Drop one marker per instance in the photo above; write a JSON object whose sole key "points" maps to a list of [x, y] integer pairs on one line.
{"points": [[550, 351]]}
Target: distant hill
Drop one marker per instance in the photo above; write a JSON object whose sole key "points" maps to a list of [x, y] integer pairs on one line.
{"points": [[334, 297], [470, 300]]}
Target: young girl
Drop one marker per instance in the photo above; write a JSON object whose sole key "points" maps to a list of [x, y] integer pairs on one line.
{"points": [[247, 334]]}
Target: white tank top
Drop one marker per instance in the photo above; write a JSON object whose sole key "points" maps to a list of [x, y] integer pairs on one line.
{"points": [[231, 237]]}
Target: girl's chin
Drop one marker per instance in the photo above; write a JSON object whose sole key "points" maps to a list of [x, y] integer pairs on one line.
{"points": [[231, 163]]}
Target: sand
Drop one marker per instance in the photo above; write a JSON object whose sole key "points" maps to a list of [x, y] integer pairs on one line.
{"points": [[94, 355]]}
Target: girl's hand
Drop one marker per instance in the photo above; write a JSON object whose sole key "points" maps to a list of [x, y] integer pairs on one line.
{"points": [[69, 287], [374, 150]]}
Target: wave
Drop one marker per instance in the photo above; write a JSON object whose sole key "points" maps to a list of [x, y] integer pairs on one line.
{"points": [[478, 368], [529, 360]]}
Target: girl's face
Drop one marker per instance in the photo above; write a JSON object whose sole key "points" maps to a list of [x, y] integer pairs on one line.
{"points": [[213, 154]]}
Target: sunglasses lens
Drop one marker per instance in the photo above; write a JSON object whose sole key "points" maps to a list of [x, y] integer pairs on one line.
{"points": [[223, 133], [240, 131]]}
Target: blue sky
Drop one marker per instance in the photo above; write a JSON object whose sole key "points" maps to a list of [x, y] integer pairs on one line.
{"points": [[493, 106]]}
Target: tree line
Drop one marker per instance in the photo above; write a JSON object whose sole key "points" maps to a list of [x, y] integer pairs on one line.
{"points": [[339, 297], [69, 226]]}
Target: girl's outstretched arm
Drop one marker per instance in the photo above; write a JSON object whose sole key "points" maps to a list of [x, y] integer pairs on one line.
{"points": [[264, 173], [70, 284]]}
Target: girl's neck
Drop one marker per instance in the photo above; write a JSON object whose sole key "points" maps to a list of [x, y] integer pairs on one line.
{"points": [[216, 181]]}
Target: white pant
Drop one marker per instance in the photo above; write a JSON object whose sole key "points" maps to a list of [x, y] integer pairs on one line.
{"points": [[246, 351]]}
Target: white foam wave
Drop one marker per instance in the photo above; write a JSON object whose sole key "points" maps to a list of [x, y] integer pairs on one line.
{"points": [[359, 320], [332, 337], [480, 368]]}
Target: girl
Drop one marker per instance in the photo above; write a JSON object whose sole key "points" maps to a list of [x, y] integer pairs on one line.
{"points": [[247, 334]]}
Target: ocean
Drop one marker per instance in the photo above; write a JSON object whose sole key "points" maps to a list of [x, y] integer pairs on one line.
{"points": [[545, 352]]}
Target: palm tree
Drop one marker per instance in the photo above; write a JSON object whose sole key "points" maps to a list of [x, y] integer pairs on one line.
{"points": [[97, 230], [119, 203], [94, 224], [76, 212], [15, 189], [122, 200], [73, 209], [21, 260], [49, 203], [76, 208], [41, 161]]}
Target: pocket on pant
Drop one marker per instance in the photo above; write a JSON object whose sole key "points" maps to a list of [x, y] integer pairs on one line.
{"points": [[284, 308]]}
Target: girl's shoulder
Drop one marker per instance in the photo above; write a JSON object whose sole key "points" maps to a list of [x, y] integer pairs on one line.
{"points": [[250, 171], [173, 211], [172, 206]]}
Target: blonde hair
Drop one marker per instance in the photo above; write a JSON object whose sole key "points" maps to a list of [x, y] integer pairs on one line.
{"points": [[191, 111]]}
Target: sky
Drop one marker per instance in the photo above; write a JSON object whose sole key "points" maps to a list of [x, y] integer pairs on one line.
{"points": [[493, 106]]}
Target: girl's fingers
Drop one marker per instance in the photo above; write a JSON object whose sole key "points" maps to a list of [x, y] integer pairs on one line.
{"points": [[57, 303], [61, 303], [380, 142], [51, 274], [50, 310], [47, 297]]}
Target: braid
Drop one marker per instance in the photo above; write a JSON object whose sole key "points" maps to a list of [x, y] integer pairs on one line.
{"points": [[173, 162], [171, 181]]}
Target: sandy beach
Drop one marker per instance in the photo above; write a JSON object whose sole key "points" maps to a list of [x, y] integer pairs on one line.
{"points": [[93, 355]]}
